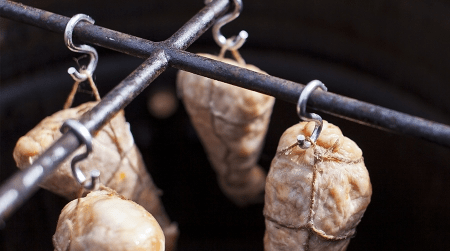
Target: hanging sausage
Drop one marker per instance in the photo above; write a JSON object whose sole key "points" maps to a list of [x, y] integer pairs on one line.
{"points": [[317, 189], [232, 123], [106, 221]]}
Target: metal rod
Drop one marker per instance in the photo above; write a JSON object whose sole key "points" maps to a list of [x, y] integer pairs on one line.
{"points": [[17, 189], [289, 91], [125, 92], [340, 106], [114, 40], [196, 25]]}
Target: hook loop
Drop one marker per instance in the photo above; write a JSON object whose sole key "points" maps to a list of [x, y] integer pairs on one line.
{"points": [[83, 135], [301, 111], [84, 73], [221, 40]]}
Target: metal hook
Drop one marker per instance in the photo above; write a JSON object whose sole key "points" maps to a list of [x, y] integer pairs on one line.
{"points": [[85, 73], [83, 135], [301, 111], [221, 40]]}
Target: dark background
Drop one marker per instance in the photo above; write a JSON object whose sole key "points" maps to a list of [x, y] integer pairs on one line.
{"points": [[392, 53]]}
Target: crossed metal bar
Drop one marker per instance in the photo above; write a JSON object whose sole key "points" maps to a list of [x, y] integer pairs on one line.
{"points": [[159, 56]]}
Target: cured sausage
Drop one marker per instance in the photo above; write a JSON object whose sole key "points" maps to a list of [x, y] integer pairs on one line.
{"points": [[232, 123], [106, 221], [316, 197]]}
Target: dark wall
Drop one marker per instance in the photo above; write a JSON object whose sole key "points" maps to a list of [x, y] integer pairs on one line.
{"points": [[391, 53]]}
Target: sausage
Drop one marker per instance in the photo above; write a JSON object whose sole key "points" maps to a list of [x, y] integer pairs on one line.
{"points": [[316, 197], [232, 123], [106, 221]]}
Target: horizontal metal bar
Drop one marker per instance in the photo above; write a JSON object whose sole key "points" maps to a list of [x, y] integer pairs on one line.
{"points": [[17, 189], [337, 105], [327, 102], [114, 40]]}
